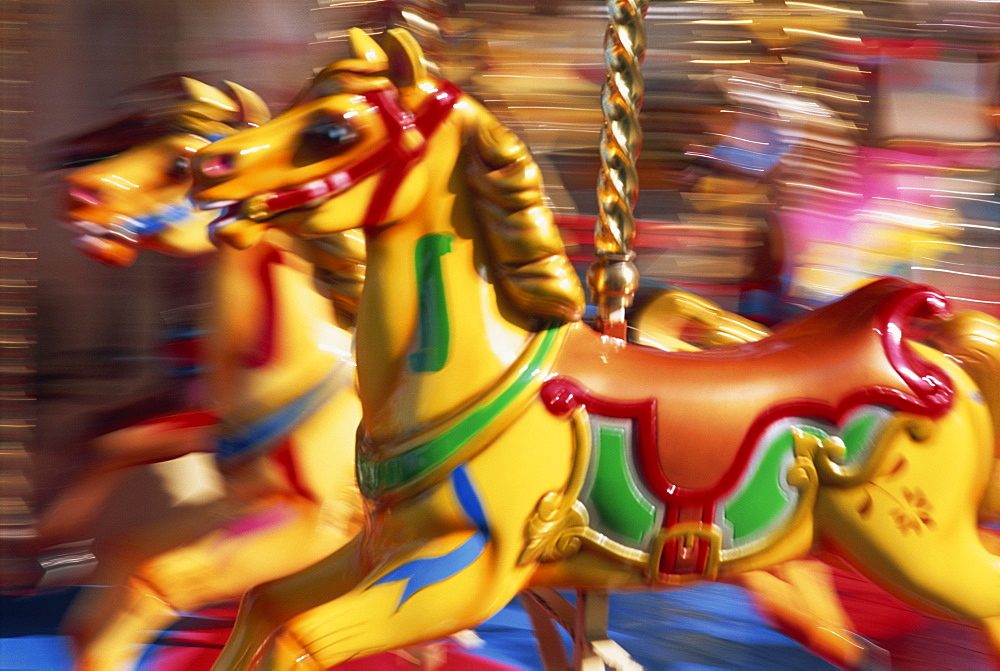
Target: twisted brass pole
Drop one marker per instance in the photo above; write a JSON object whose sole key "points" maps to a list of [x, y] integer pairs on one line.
{"points": [[613, 278]]}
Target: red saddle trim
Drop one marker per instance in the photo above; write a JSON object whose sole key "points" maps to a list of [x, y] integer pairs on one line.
{"points": [[591, 376], [562, 396]]}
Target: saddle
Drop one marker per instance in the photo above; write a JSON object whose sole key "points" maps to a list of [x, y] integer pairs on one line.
{"points": [[700, 414]]}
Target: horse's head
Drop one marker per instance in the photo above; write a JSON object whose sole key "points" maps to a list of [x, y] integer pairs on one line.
{"points": [[348, 154], [132, 192], [366, 145]]}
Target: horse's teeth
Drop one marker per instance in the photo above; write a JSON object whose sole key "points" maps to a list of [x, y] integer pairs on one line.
{"points": [[88, 242], [83, 226]]}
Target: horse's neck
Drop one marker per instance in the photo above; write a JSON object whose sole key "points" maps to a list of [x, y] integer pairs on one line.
{"points": [[273, 335], [431, 337]]}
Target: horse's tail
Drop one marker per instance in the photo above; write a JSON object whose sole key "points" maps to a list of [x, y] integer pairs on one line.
{"points": [[973, 338]]}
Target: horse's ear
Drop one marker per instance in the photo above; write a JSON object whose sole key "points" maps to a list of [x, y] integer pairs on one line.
{"points": [[406, 59], [253, 109], [203, 93], [364, 48]]}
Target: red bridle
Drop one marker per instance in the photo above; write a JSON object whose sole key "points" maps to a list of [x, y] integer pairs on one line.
{"points": [[393, 155]]}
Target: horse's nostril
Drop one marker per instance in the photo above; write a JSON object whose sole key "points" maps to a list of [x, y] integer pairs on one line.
{"points": [[217, 166], [85, 195]]}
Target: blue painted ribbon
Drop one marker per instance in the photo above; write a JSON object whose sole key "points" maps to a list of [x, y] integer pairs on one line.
{"points": [[167, 215], [427, 571], [267, 432]]}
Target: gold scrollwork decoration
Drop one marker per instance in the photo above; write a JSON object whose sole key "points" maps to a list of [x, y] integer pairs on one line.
{"points": [[797, 529], [561, 524], [830, 453], [555, 530], [558, 517]]}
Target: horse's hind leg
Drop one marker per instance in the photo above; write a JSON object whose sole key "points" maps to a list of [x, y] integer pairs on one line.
{"points": [[954, 575], [912, 526], [799, 597]]}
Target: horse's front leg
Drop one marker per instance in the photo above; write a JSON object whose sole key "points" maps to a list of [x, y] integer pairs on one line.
{"points": [[266, 608], [436, 553], [112, 454]]}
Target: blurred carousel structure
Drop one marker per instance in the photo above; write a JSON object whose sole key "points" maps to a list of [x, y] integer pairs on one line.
{"points": [[790, 150]]}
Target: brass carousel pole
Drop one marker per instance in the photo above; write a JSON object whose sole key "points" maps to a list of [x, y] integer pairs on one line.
{"points": [[613, 278]]}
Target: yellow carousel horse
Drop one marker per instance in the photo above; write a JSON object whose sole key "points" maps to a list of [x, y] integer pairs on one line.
{"points": [[281, 382], [506, 446]]}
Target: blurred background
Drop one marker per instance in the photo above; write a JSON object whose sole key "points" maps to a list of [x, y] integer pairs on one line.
{"points": [[791, 150]]}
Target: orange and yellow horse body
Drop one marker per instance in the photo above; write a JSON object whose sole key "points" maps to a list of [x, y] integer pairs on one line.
{"points": [[280, 376], [505, 445]]}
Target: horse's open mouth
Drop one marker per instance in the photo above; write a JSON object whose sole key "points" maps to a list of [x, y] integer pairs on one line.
{"points": [[257, 209], [230, 211], [82, 227], [102, 244]]}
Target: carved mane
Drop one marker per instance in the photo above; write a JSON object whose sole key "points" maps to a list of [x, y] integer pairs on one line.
{"points": [[524, 246], [161, 106]]}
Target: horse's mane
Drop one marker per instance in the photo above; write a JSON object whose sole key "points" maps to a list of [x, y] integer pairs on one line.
{"points": [[339, 269], [151, 110], [524, 246]]}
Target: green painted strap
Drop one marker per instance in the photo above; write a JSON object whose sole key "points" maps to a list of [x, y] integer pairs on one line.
{"points": [[857, 435], [433, 332], [762, 500], [617, 500], [376, 478]]}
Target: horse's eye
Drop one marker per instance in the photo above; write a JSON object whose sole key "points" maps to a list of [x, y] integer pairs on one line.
{"points": [[333, 132], [179, 169], [323, 138]]}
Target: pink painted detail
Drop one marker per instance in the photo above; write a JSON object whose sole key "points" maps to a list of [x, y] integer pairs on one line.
{"points": [[85, 195], [218, 166], [263, 351], [268, 518]]}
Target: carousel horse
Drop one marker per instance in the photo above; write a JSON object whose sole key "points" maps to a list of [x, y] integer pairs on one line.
{"points": [[505, 446], [280, 376], [157, 427], [161, 219]]}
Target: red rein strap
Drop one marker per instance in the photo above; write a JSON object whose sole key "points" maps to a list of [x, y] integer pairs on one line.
{"points": [[392, 155]]}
